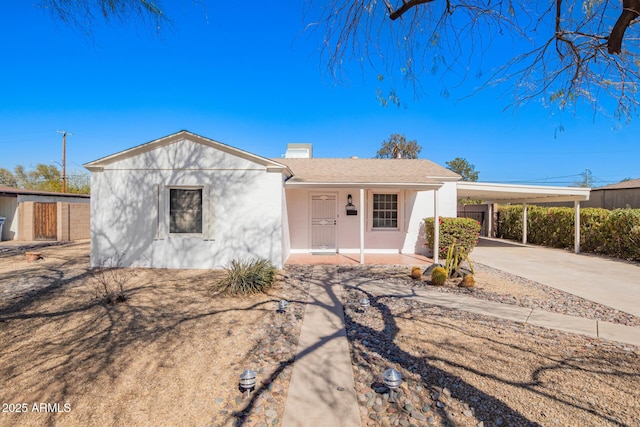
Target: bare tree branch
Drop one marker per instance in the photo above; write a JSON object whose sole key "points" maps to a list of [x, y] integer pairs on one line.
{"points": [[406, 5], [554, 53]]}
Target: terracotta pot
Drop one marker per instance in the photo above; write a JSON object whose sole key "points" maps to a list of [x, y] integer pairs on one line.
{"points": [[33, 256]]}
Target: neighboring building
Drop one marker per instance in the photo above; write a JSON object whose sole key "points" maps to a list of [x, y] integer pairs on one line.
{"points": [[622, 195], [625, 194], [42, 215], [185, 201]]}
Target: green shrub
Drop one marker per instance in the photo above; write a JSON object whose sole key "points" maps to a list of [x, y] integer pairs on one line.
{"points": [[463, 232], [438, 276], [614, 233], [248, 276], [509, 222]]}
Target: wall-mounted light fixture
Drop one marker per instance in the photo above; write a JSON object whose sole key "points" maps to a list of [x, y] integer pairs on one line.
{"points": [[351, 209]]}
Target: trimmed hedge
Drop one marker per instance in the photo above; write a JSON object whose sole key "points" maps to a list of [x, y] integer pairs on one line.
{"points": [[463, 231], [614, 233]]}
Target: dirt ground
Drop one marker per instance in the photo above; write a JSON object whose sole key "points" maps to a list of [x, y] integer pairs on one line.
{"points": [[170, 355], [173, 352]]}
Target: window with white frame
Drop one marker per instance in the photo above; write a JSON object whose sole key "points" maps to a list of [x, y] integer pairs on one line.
{"points": [[185, 210], [384, 212]]}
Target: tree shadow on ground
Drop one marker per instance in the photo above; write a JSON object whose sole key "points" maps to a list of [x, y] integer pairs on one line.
{"points": [[385, 344], [62, 344]]}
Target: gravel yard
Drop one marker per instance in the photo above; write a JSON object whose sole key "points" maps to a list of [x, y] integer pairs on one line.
{"points": [[173, 352], [463, 369]]}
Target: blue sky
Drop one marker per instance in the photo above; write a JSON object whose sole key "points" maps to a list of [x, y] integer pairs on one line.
{"points": [[247, 75]]}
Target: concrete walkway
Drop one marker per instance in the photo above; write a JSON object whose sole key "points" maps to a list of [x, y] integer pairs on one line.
{"points": [[615, 284], [322, 390], [531, 316]]}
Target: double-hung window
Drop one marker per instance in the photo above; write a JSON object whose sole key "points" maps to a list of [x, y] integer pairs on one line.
{"points": [[385, 211], [185, 210]]}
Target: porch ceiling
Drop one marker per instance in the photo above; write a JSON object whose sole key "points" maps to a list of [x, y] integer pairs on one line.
{"points": [[512, 193], [354, 259]]}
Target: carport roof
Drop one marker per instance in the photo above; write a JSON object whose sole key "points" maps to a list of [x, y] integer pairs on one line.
{"points": [[513, 193]]}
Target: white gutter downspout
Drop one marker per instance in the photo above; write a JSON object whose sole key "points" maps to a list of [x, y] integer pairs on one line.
{"points": [[362, 206], [576, 241], [524, 223], [436, 227]]}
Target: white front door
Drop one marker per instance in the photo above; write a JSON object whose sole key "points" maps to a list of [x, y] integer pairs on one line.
{"points": [[323, 222]]}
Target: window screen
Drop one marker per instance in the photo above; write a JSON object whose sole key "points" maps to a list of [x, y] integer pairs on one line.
{"points": [[185, 210]]}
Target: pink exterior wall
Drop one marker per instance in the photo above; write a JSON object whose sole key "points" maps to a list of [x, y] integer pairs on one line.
{"points": [[414, 207]]}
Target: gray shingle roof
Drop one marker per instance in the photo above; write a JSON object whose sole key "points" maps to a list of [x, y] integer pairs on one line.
{"points": [[632, 183], [365, 171]]}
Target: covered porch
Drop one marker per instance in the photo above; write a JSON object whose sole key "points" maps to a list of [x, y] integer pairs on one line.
{"points": [[354, 259]]}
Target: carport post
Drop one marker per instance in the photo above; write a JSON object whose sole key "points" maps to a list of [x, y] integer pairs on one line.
{"points": [[436, 227], [524, 223], [490, 222], [576, 241]]}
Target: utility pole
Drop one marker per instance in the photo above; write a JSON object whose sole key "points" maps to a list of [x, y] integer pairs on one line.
{"points": [[586, 176], [64, 158]]}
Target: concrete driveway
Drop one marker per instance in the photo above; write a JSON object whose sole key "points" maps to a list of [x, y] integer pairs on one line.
{"points": [[613, 283]]}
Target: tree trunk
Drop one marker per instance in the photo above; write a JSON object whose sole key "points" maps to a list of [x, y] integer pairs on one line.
{"points": [[630, 11]]}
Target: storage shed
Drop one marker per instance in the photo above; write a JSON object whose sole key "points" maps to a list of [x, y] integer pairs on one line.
{"points": [[42, 215]]}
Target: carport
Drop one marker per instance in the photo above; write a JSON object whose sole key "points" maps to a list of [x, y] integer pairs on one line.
{"points": [[491, 193]]}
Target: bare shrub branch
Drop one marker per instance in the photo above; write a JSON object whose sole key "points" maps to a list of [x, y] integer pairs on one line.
{"points": [[110, 279]]}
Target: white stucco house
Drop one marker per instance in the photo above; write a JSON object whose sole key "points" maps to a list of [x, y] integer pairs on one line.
{"points": [[186, 201]]}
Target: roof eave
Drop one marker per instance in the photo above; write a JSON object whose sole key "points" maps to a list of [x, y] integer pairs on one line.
{"points": [[423, 186], [513, 193], [99, 164]]}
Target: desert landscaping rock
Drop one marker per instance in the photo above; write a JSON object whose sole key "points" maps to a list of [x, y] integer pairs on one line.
{"points": [[505, 288], [175, 344], [469, 370]]}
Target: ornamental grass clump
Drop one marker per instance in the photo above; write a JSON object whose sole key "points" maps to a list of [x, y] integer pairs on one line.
{"points": [[246, 277]]}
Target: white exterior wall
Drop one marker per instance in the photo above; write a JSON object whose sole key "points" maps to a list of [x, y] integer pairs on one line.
{"points": [[423, 208], [286, 235], [414, 207], [128, 217]]}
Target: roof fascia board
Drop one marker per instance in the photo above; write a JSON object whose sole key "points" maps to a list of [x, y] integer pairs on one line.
{"points": [[550, 199], [369, 185], [510, 193], [98, 165]]}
